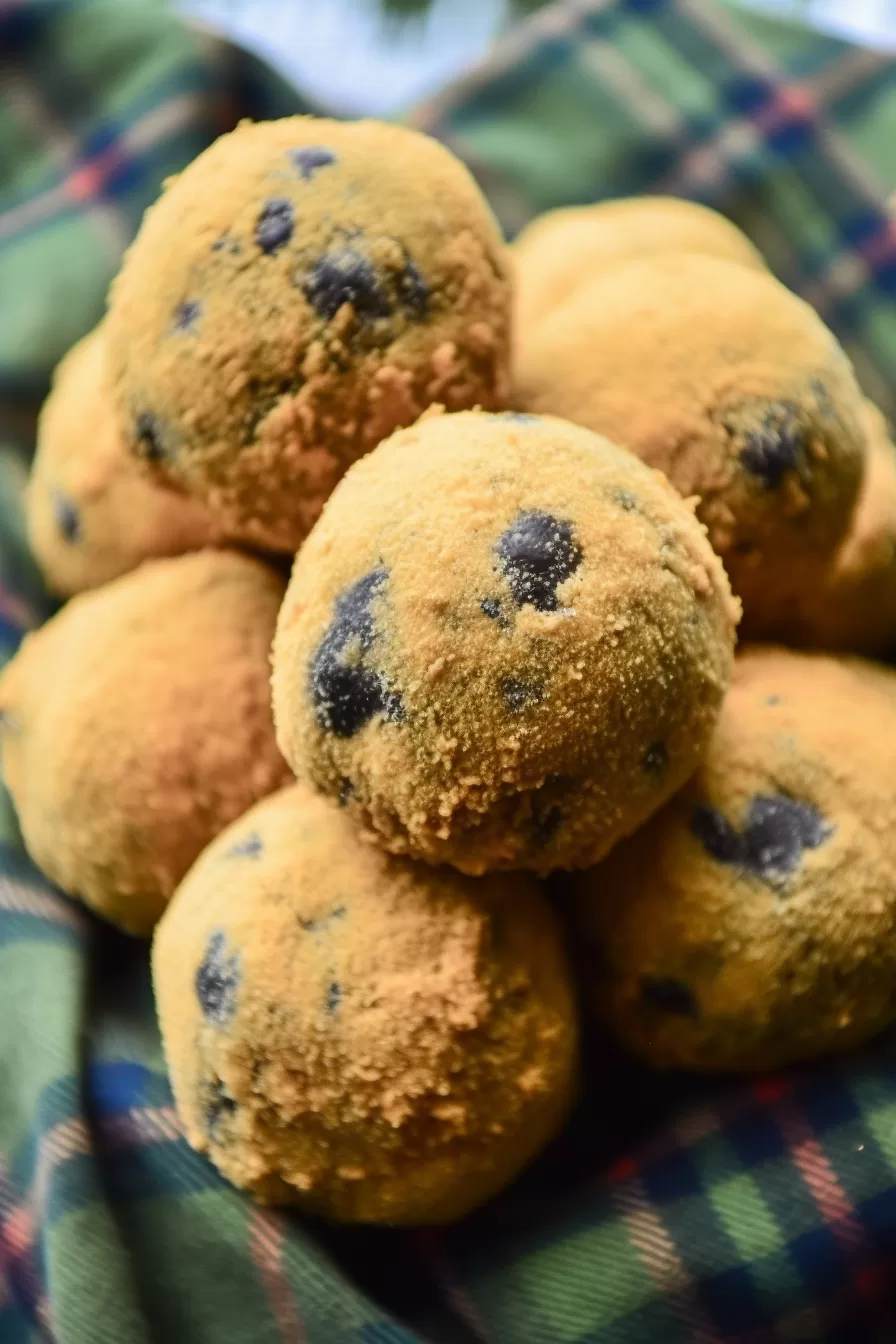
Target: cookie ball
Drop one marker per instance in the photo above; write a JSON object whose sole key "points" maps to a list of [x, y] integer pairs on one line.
{"points": [[376, 1041], [136, 724], [504, 644], [732, 386], [560, 251], [750, 923], [852, 605], [90, 512], [303, 288]]}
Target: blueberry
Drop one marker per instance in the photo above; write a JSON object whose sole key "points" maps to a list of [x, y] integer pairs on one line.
{"points": [[274, 225], [221, 1106], [716, 834], [149, 437], [518, 694], [520, 417], [217, 981], [626, 500], [346, 277], [776, 832], [348, 694], [536, 554], [68, 520], [346, 792], [334, 997], [250, 847], [656, 758], [413, 290], [310, 158], [668, 996], [187, 314], [775, 448], [492, 608]]}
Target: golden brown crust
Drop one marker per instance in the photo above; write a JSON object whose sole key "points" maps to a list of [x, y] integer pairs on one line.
{"points": [[277, 316], [851, 605], [560, 251], [137, 724], [732, 386], [374, 1041], [467, 718], [91, 513], [750, 923]]}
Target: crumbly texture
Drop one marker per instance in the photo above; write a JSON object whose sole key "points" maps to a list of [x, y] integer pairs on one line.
{"points": [[136, 724], [376, 1041], [852, 604], [504, 644], [91, 513], [562, 250], [750, 924], [731, 385], [304, 287]]}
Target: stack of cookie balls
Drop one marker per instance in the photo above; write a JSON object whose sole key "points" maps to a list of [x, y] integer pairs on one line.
{"points": [[506, 650]]}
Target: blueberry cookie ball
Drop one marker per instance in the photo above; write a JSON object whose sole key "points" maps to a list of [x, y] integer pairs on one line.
{"points": [[91, 514], [562, 250], [731, 385], [504, 644], [376, 1041], [750, 924], [303, 288], [852, 605], [136, 724]]}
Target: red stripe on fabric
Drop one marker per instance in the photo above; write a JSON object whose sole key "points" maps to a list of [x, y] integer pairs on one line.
{"points": [[650, 1238], [266, 1237]]}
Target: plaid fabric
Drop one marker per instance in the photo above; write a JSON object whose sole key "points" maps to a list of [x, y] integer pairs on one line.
{"points": [[672, 1211]]}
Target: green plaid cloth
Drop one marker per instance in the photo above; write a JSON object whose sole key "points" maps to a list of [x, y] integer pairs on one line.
{"points": [[672, 1211]]}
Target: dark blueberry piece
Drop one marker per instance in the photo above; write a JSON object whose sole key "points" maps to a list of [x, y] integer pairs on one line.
{"points": [[774, 449], [149, 437], [346, 792], [221, 1106], [334, 997], [413, 290], [518, 694], [186, 314], [778, 829], [251, 847], [318, 925], [347, 695], [68, 520], [536, 554], [773, 699], [656, 758], [626, 500], [311, 157], [668, 996], [521, 417], [346, 277], [274, 226], [492, 608], [217, 981], [717, 836]]}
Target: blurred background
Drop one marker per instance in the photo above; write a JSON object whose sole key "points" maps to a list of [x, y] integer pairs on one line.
{"points": [[391, 53]]}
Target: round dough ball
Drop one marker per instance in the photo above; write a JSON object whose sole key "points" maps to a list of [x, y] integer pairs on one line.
{"points": [[562, 250], [304, 287], [375, 1041], [750, 923], [852, 606], [732, 386], [137, 724], [504, 644], [90, 512]]}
